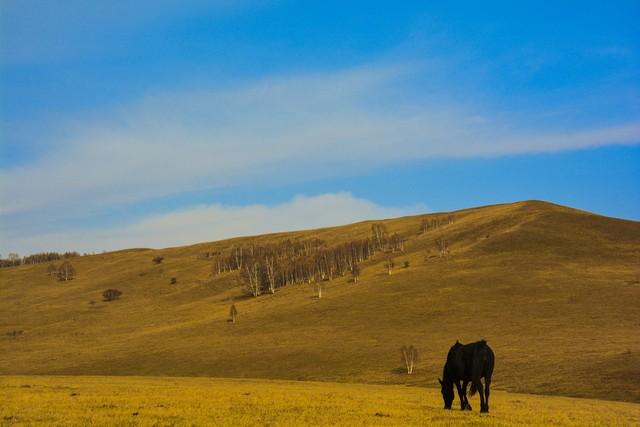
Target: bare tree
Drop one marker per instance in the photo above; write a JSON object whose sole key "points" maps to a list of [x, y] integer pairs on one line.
{"points": [[424, 226], [233, 313], [51, 270], [397, 243], [270, 270], [379, 235], [355, 272], [410, 357], [251, 276], [318, 288], [443, 247], [238, 255], [66, 271], [389, 264]]}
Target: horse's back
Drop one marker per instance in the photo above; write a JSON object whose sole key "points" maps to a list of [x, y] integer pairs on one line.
{"points": [[485, 357], [464, 361]]}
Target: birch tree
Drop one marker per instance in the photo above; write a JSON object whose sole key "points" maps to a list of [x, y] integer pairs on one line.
{"points": [[389, 264], [410, 357], [443, 247], [233, 313], [270, 270], [251, 277], [355, 272], [66, 271]]}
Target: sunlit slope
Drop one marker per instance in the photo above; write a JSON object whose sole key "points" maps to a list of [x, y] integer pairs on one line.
{"points": [[553, 290], [152, 401]]}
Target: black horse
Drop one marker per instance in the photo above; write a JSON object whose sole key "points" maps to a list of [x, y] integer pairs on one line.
{"points": [[467, 363]]}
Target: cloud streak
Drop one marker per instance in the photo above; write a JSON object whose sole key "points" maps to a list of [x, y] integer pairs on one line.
{"points": [[215, 222], [294, 128]]}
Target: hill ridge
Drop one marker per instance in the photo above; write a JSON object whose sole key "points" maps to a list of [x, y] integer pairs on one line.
{"points": [[553, 289]]}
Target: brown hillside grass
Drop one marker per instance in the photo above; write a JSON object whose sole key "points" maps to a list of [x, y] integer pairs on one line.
{"points": [[553, 290]]}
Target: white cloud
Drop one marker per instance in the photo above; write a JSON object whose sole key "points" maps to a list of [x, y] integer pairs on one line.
{"points": [[288, 128], [215, 222]]}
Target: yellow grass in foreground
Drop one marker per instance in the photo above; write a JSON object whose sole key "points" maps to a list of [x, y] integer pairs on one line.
{"points": [[46, 400]]}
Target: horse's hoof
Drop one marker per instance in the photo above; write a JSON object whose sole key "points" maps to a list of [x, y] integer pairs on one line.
{"points": [[469, 408]]}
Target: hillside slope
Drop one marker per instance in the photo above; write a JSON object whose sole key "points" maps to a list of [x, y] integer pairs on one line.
{"points": [[554, 291]]}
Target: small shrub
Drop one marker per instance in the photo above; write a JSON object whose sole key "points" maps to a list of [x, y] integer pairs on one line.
{"points": [[158, 259], [111, 294], [174, 280], [406, 264]]}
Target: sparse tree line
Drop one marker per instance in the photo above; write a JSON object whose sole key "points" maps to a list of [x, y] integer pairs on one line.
{"points": [[265, 268], [14, 260], [429, 224]]}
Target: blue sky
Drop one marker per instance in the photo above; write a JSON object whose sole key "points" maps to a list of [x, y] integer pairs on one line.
{"points": [[173, 122]]}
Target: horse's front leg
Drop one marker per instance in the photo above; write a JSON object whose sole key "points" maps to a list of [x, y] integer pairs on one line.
{"points": [[461, 395]]}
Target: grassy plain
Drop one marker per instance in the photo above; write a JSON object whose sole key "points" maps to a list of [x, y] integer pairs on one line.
{"points": [[152, 401], [554, 290]]}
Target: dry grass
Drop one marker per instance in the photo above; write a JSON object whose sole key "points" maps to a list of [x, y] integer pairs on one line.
{"points": [[552, 290], [121, 401]]}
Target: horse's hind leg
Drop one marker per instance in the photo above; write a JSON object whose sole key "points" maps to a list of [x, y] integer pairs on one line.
{"points": [[466, 406], [487, 385], [477, 386]]}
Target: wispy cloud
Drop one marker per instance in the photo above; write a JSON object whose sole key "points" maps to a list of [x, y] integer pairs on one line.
{"points": [[214, 222], [44, 31], [295, 127]]}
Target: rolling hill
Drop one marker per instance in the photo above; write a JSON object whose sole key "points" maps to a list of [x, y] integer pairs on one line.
{"points": [[554, 290]]}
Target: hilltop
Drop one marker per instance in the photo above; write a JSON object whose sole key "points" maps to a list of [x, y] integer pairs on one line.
{"points": [[554, 291]]}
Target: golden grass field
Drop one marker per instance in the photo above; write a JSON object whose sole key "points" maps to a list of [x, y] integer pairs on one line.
{"points": [[163, 401], [554, 290]]}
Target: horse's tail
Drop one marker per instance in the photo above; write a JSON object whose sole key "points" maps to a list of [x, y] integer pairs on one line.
{"points": [[473, 387], [479, 360]]}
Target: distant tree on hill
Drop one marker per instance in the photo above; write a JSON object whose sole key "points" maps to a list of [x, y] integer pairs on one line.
{"points": [[389, 264], [66, 271], [410, 357], [111, 294], [51, 270], [158, 259], [317, 286], [355, 272], [251, 276], [379, 235], [443, 247], [396, 243], [233, 313], [270, 269]]}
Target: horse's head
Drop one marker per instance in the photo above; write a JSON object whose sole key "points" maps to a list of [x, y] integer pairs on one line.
{"points": [[446, 388]]}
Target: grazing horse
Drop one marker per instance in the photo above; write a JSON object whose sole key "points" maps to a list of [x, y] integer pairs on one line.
{"points": [[467, 363]]}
